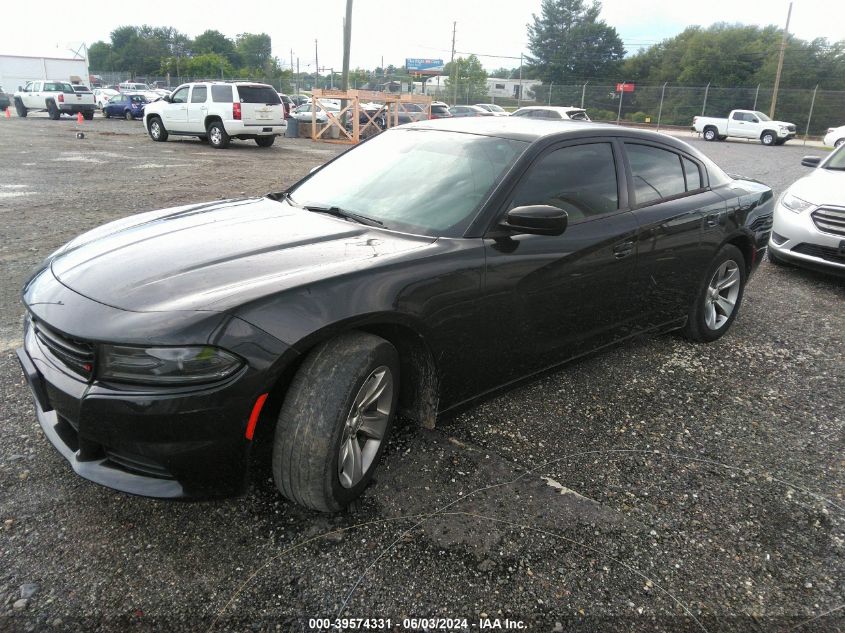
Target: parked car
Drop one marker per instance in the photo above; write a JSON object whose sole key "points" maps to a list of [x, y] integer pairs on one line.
{"points": [[440, 110], [286, 101], [554, 113], [465, 256], [298, 100], [127, 106], [493, 109], [468, 110], [744, 124], [5, 102], [835, 136], [809, 220], [218, 111], [56, 97], [102, 96], [303, 112], [134, 87]]}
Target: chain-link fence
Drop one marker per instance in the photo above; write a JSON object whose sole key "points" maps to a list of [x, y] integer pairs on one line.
{"points": [[812, 111]]}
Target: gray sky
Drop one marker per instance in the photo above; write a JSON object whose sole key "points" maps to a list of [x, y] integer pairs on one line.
{"points": [[395, 29]]}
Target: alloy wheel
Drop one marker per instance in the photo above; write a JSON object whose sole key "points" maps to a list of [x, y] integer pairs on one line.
{"points": [[215, 136], [365, 426], [155, 130], [722, 294]]}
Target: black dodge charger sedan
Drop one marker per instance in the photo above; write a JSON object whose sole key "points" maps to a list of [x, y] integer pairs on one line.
{"points": [[469, 255]]}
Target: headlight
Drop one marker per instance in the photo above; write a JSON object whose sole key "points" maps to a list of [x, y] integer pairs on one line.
{"points": [[783, 128], [166, 365], [793, 203]]}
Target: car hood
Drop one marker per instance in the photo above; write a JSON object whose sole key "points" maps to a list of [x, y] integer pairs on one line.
{"points": [[219, 255], [822, 186]]}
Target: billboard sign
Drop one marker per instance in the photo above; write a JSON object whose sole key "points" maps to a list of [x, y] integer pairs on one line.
{"points": [[424, 65], [626, 87]]}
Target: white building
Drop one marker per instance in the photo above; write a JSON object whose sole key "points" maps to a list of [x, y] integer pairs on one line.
{"points": [[496, 87], [16, 70]]}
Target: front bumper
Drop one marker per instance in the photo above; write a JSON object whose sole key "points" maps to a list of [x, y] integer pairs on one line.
{"points": [[796, 238]]}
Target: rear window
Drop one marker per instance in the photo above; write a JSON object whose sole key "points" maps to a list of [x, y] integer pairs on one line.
{"points": [[258, 94], [221, 94], [58, 87], [80, 89]]}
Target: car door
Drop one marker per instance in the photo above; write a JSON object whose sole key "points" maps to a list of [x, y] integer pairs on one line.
{"points": [[32, 98], [741, 125], [175, 113], [675, 211], [197, 108], [549, 298]]}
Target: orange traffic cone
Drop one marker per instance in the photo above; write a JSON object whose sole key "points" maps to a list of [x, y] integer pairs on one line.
{"points": [[8, 113], [79, 117]]}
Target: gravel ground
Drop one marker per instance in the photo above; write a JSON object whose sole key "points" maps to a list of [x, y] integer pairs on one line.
{"points": [[661, 486]]}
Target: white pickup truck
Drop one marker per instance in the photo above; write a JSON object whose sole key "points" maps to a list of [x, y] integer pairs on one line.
{"points": [[744, 124], [56, 97]]}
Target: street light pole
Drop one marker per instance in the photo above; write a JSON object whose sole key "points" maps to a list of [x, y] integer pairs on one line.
{"points": [[347, 45]]}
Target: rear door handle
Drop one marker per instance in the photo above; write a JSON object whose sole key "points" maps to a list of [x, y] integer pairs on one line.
{"points": [[623, 249], [712, 219]]}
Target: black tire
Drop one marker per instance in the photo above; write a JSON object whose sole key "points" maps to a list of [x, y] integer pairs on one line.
{"points": [[768, 137], [19, 108], [156, 130], [88, 116], [711, 133], [839, 142], [265, 141], [128, 115], [53, 110], [106, 113], [697, 327], [217, 136], [313, 425]]}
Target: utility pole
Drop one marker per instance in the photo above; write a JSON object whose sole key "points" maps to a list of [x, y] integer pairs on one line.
{"points": [[454, 74], [316, 66], [347, 45], [519, 94], [296, 86], [780, 63]]}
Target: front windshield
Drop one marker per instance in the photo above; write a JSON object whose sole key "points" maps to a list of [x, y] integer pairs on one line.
{"points": [[762, 116], [494, 108], [836, 161], [429, 182]]}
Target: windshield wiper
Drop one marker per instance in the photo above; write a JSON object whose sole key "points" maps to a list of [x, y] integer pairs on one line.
{"points": [[343, 213]]}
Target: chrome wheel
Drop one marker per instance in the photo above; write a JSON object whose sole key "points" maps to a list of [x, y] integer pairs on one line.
{"points": [[155, 130], [215, 136], [722, 294], [365, 426], [709, 135]]}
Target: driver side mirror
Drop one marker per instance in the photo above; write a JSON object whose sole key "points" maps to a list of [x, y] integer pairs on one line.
{"points": [[536, 219], [811, 161]]}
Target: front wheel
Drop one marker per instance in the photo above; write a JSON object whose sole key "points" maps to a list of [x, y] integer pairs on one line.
{"points": [[265, 141], [768, 138], [217, 136], [128, 115], [335, 421], [839, 143], [106, 113], [717, 302], [20, 109], [156, 129]]}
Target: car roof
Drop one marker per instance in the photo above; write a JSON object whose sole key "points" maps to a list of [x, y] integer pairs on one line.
{"points": [[527, 129], [555, 108]]}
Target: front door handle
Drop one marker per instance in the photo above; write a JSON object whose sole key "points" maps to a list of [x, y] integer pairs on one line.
{"points": [[712, 220], [623, 249]]}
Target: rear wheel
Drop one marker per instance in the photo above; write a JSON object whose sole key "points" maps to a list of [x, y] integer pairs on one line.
{"points": [[156, 129], [53, 110], [20, 108], [217, 136], [719, 297], [710, 134], [335, 420], [88, 116], [768, 138], [265, 141]]}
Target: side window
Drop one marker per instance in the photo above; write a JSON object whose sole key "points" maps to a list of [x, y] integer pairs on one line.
{"points": [[28, 87], [657, 173], [692, 174], [36, 86], [199, 94], [738, 116], [180, 96], [579, 179], [221, 94]]}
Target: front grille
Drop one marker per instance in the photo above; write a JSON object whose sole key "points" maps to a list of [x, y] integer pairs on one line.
{"points": [[761, 224], [77, 356], [830, 220], [791, 128], [822, 252]]}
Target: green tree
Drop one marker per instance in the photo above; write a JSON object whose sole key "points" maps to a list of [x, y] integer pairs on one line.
{"points": [[101, 56], [255, 50], [212, 41], [568, 43], [467, 79]]}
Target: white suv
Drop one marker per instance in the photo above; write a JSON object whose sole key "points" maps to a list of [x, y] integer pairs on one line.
{"points": [[218, 111]]}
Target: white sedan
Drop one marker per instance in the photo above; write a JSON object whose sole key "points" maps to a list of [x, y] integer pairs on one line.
{"points": [[102, 96], [809, 219], [835, 136], [303, 112]]}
